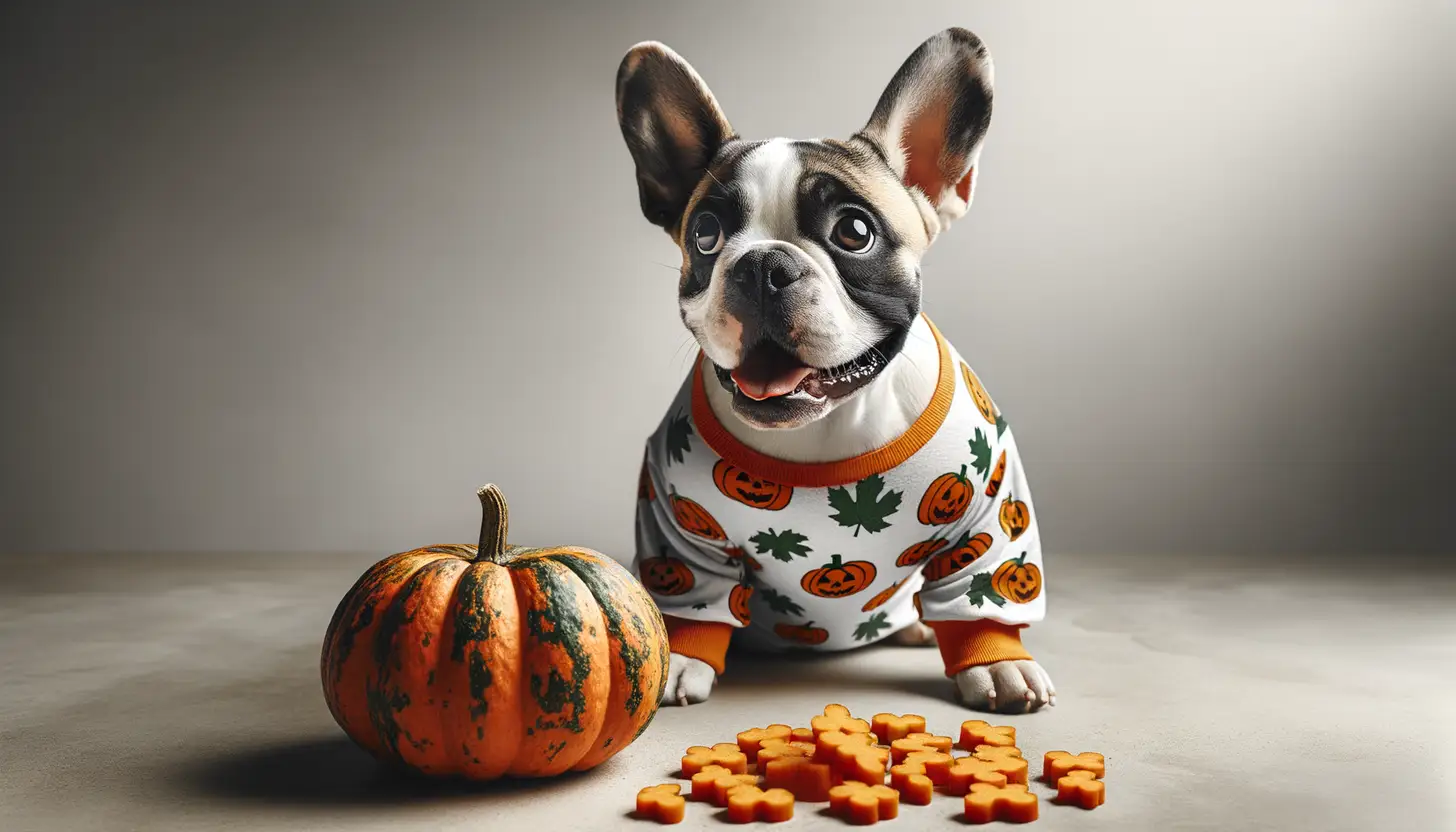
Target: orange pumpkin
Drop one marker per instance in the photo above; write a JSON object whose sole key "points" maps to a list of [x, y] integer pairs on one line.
{"points": [[645, 490], [741, 486], [801, 633], [837, 579], [491, 660], [1017, 581], [1015, 517], [880, 599], [952, 560], [738, 602], [666, 575], [978, 394], [695, 520], [997, 475], [920, 551], [946, 499]]}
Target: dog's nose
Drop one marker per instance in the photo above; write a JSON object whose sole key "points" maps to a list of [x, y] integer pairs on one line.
{"points": [[762, 272]]}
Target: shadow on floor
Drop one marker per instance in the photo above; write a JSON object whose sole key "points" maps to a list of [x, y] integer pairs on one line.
{"points": [[330, 771], [785, 671]]}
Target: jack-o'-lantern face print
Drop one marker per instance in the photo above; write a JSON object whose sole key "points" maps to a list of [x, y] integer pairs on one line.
{"points": [[666, 576], [740, 486], [837, 579]]}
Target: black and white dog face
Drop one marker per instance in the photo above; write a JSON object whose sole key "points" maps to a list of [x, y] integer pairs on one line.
{"points": [[801, 259]]}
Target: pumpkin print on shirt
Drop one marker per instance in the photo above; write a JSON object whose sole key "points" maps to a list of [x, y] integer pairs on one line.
{"points": [[739, 485], [835, 562], [666, 575], [837, 579], [946, 499], [1015, 517], [694, 519], [806, 634]]}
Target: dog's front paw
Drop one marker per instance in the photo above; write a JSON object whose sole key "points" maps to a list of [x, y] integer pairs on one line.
{"points": [[1007, 687], [689, 681]]}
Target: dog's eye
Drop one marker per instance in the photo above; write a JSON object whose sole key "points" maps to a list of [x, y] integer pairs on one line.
{"points": [[708, 234], [853, 233]]}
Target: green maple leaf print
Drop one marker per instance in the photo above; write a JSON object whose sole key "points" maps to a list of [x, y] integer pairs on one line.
{"points": [[981, 591], [1000, 425], [782, 604], [678, 431], [870, 630], [866, 509], [981, 454], [782, 545]]}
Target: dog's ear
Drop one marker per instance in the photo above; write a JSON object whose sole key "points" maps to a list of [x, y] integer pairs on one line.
{"points": [[673, 127], [931, 119]]}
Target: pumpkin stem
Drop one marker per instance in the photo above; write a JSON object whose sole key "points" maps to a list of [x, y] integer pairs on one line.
{"points": [[963, 473], [493, 524]]}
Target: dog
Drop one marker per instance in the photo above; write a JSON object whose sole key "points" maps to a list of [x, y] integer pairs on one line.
{"points": [[832, 473]]}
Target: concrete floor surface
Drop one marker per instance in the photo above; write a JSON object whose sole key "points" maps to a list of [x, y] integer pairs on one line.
{"points": [[164, 692]]}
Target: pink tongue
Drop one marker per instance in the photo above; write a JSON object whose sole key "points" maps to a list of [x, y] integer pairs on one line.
{"points": [[768, 371]]}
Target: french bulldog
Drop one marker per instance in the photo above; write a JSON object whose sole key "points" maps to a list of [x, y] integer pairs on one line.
{"points": [[832, 472]]}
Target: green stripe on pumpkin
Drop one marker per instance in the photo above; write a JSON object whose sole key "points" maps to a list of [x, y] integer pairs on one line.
{"points": [[604, 585], [562, 591], [386, 700], [473, 619]]}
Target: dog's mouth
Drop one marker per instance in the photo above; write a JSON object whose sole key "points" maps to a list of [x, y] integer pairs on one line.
{"points": [[769, 375]]}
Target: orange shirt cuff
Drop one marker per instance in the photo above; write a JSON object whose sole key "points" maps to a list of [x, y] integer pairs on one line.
{"points": [[966, 644], [706, 641]]}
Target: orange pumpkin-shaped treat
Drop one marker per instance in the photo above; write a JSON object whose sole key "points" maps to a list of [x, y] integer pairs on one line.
{"points": [[1015, 517], [837, 579], [993, 486], [740, 486], [490, 660], [1017, 581], [695, 520], [946, 499], [883, 596], [738, 602], [801, 633], [952, 560], [666, 575], [918, 552], [978, 394]]}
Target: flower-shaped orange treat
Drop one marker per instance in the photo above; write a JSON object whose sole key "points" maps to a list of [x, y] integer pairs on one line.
{"points": [[750, 740], [889, 727], [1011, 803], [661, 803], [862, 804], [1081, 788], [713, 783], [967, 771], [828, 744], [747, 804], [725, 754], [915, 776], [1058, 764], [910, 743], [865, 763], [837, 718], [976, 732], [802, 735], [805, 779]]}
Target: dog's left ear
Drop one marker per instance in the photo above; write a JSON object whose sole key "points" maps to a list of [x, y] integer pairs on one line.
{"points": [[673, 127], [931, 119]]}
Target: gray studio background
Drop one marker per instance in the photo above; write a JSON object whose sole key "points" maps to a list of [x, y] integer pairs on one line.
{"points": [[301, 278]]}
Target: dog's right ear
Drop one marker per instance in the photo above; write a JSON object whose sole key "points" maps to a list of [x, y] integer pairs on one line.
{"points": [[673, 127]]}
